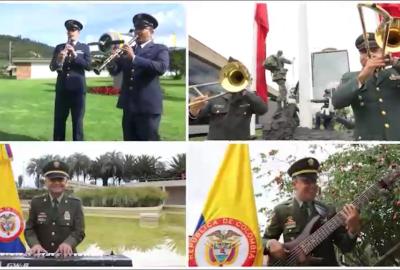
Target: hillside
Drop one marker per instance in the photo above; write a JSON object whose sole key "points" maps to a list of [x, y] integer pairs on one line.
{"points": [[23, 47]]}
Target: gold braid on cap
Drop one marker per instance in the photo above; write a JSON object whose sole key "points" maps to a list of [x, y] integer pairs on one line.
{"points": [[56, 171], [304, 171]]}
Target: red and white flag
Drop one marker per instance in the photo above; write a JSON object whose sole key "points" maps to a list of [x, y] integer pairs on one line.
{"points": [[261, 29]]}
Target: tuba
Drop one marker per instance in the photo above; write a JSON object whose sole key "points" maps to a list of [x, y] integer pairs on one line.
{"points": [[387, 34], [233, 77]]}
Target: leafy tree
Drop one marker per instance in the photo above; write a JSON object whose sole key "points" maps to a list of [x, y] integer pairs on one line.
{"points": [[146, 168], [128, 167], [346, 171], [350, 173], [36, 165], [177, 166], [79, 165], [177, 62], [107, 166]]}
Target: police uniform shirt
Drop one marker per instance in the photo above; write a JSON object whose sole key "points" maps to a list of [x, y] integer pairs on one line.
{"points": [[49, 228], [229, 116], [375, 104], [288, 220]]}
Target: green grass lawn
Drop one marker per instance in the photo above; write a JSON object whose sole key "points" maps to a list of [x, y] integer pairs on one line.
{"points": [[27, 106]]}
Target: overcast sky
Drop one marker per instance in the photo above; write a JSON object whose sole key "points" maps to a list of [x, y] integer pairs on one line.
{"points": [[44, 22], [24, 151], [228, 29]]}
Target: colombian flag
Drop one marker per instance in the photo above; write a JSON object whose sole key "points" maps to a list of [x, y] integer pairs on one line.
{"points": [[11, 221], [228, 233]]}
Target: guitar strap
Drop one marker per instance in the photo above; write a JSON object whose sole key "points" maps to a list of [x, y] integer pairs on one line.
{"points": [[322, 211]]}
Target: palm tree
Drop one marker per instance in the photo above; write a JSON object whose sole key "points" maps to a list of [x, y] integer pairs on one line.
{"points": [[109, 165], [35, 167], [128, 167], [177, 166], [79, 164], [146, 167]]}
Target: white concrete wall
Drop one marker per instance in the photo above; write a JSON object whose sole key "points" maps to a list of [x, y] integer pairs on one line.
{"points": [[42, 71]]}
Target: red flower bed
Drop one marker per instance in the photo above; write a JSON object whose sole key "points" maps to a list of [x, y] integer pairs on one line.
{"points": [[105, 90]]}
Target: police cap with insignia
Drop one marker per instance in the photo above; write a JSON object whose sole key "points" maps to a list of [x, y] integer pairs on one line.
{"points": [[56, 170], [360, 44], [307, 167], [73, 25], [143, 20]]}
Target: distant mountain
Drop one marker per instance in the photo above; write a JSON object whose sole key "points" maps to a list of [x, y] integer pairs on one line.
{"points": [[23, 48]]}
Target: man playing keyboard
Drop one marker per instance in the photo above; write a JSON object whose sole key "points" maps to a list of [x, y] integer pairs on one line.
{"points": [[56, 221]]}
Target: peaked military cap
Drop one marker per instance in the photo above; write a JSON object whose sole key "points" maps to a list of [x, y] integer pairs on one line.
{"points": [[73, 24], [143, 20], [304, 166], [360, 44], [55, 170]]}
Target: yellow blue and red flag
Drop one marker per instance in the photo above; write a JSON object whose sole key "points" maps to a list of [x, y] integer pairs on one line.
{"points": [[227, 233], [11, 220]]}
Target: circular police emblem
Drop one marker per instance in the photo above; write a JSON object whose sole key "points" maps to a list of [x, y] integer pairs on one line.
{"points": [[11, 224], [56, 164], [223, 242]]}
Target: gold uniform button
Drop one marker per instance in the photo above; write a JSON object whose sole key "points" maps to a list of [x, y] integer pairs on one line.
{"points": [[217, 111], [383, 112], [52, 244], [53, 223], [362, 104], [387, 125], [359, 97], [359, 138], [380, 100], [131, 78], [244, 113], [378, 89], [130, 87], [53, 233], [67, 224], [67, 74]]}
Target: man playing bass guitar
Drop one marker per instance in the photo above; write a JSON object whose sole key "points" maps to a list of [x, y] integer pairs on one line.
{"points": [[291, 217]]}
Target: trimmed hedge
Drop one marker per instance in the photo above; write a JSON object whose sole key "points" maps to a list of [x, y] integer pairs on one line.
{"points": [[29, 193], [121, 197]]}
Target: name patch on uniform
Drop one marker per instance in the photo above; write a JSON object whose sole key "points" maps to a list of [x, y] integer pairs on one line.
{"points": [[393, 77], [244, 105], [219, 106], [42, 217], [79, 51], [67, 215], [290, 223]]}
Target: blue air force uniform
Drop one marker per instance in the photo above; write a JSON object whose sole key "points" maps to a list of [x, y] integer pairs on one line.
{"points": [[141, 95], [70, 87]]}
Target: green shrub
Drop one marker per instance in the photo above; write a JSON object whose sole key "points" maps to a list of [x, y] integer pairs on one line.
{"points": [[29, 193], [121, 197]]}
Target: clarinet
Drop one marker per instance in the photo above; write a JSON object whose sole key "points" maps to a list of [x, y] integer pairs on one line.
{"points": [[61, 65]]}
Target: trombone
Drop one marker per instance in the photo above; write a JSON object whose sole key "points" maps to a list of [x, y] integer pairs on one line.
{"points": [[233, 77], [387, 34]]}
